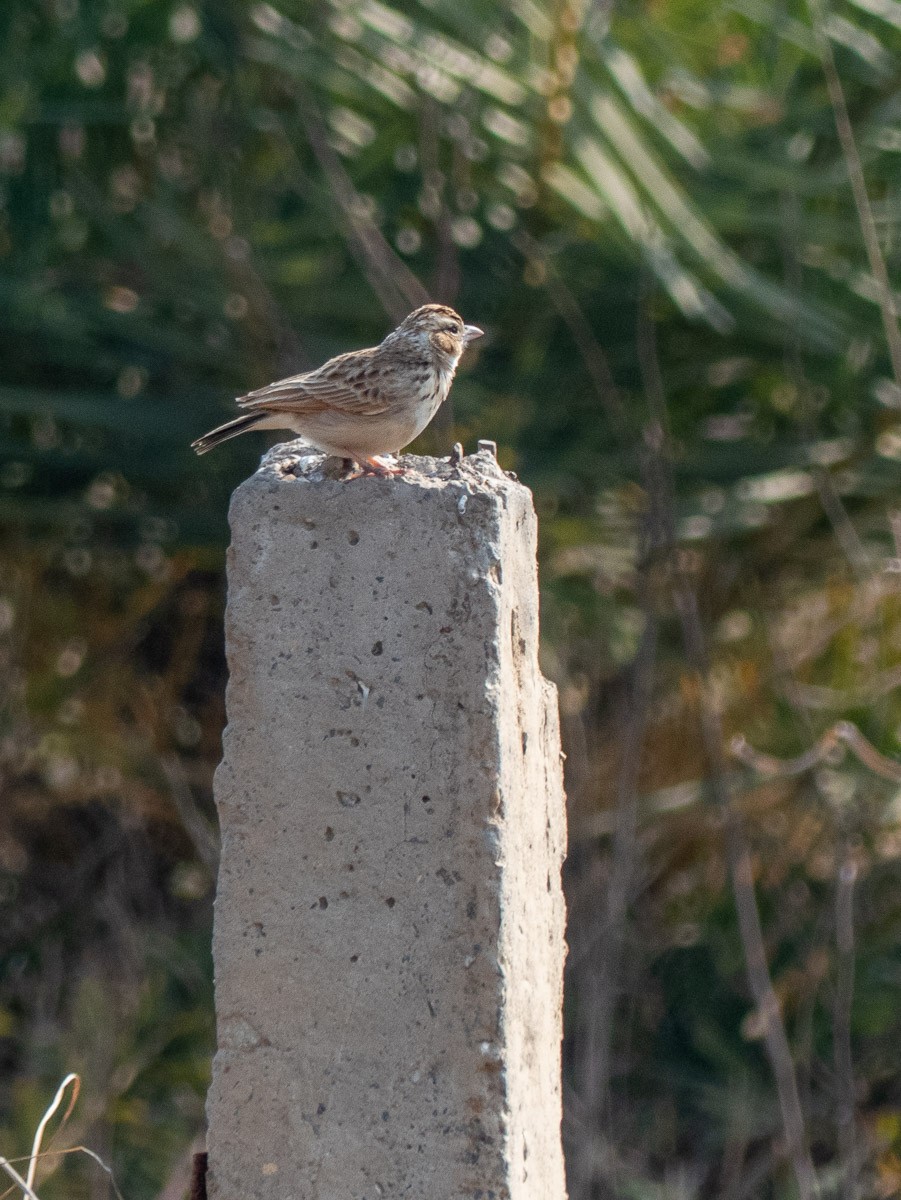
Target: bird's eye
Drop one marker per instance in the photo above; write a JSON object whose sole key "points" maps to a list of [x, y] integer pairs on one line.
{"points": [[450, 327]]}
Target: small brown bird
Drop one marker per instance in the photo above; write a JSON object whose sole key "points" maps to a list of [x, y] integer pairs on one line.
{"points": [[367, 403]]}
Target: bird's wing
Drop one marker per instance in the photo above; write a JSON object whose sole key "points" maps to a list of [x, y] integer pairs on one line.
{"points": [[348, 384]]}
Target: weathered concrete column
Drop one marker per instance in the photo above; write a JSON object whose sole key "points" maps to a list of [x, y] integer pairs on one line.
{"points": [[389, 918]]}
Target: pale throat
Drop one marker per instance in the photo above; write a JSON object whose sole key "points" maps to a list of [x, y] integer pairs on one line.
{"points": [[445, 370]]}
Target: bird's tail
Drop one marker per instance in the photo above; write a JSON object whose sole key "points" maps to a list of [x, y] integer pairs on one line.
{"points": [[251, 420]]}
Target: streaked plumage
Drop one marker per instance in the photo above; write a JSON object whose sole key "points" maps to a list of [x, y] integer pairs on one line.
{"points": [[368, 402]]}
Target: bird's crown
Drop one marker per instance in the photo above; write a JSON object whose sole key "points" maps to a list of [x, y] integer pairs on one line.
{"points": [[434, 318], [436, 328]]}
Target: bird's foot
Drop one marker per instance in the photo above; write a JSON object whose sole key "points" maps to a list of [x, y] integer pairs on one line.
{"points": [[370, 465]]}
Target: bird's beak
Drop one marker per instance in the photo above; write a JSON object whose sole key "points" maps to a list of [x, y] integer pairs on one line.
{"points": [[470, 333]]}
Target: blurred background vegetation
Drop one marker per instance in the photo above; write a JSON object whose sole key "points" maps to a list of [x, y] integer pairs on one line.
{"points": [[678, 220]]}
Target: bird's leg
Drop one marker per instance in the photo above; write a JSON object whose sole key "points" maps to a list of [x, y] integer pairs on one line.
{"points": [[376, 465], [367, 464], [371, 464]]}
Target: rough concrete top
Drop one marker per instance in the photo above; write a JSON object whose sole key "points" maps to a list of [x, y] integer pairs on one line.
{"points": [[298, 460]]}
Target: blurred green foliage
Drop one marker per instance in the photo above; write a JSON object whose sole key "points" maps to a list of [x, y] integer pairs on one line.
{"points": [[198, 197]]}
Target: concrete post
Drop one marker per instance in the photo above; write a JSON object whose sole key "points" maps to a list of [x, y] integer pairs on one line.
{"points": [[389, 918]]}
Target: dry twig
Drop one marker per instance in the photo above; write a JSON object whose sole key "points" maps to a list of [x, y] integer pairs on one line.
{"points": [[738, 854], [26, 1183], [842, 734]]}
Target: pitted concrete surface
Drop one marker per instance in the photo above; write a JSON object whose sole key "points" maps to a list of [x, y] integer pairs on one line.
{"points": [[389, 918]]}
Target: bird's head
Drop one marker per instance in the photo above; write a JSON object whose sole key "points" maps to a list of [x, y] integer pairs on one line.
{"points": [[439, 330]]}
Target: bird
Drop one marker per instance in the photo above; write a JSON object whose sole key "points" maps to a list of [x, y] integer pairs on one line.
{"points": [[365, 404]]}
